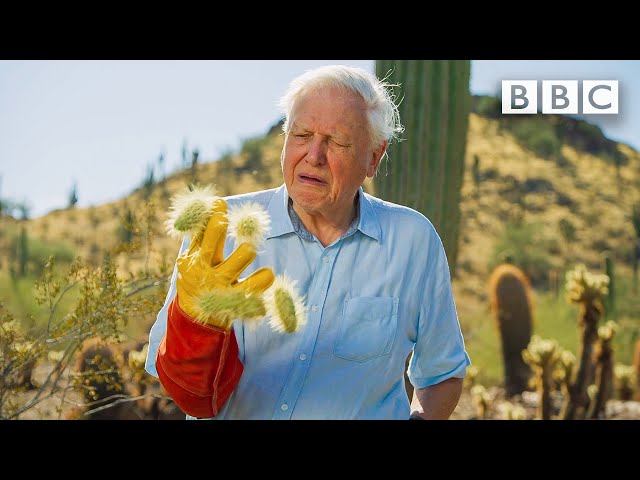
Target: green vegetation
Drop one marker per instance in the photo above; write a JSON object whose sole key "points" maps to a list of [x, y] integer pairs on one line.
{"points": [[545, 134], [552, 318], [523, 245]]}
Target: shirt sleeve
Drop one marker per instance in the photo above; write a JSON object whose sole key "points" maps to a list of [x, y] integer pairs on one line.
{"points": [[439, 352], [159, 328]]}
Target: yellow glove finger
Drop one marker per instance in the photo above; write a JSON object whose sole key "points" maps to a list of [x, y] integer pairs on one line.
{"points": [[258, 281], [212, 244], [240, 259]]}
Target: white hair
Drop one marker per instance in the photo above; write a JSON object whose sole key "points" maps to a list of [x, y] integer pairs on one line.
{"points": [[382, 111]]}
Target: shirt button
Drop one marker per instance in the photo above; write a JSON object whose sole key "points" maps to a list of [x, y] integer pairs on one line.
{"points": [[284, 407], [315, 308], [303, 357], [326, 259]]}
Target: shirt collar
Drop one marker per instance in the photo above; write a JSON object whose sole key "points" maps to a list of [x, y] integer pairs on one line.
{"points": [[281, 222]]}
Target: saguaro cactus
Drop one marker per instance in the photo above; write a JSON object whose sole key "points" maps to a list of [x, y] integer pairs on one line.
{"points": [[510, 294], [425, 171]]}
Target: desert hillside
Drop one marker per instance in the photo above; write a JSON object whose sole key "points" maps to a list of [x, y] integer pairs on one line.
{"points": [[544, 192]]}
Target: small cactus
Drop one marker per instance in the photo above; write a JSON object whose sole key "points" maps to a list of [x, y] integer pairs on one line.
{"points": [[136, 359], [625, 381], [471, 377], [481, 400], [510, 411], [586, 290], [584, 287], [511, 306], [285, 306], [542, 355], [248, 222], [603, 358], [190, 211], [220, 307], [565, 373]]}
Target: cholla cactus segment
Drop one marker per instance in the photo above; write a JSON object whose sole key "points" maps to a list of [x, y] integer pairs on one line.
{"points": [[607, 331], [584, 287], [220, 307], [190, 211], [592, 391], [564, 366], [471, 376], [623, 372], [55, 356], [248, 222], [137, 359], [480, 399], [285, 306], [23, 347], [510, 411], [11, 327], [567, 359], [541, 353], [625, 375]]}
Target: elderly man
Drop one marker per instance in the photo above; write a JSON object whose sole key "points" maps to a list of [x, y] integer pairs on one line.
{"points": [[374, 277]]}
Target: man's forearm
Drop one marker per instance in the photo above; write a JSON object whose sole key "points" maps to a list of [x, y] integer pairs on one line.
{"points": [[438, 401]]}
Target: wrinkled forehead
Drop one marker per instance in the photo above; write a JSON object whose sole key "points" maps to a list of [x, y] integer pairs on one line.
{"points": [[340, 105]]}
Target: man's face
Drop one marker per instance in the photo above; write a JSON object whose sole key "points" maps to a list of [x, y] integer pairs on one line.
{"points": [[327, 152]]}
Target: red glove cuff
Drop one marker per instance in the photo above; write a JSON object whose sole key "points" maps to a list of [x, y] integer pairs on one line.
{"points": [[197, 364]]}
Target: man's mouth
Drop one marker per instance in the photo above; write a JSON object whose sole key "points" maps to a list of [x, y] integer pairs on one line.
{"points": [[311, 180]]}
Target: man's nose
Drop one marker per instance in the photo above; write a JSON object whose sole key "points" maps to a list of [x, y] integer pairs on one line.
{"points": [[317, 154]]}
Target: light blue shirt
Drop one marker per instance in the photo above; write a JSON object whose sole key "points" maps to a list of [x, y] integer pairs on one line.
{"points": [[373, 296]]}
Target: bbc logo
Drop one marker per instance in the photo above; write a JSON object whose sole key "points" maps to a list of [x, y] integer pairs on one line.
{"points": [[560, 96]]}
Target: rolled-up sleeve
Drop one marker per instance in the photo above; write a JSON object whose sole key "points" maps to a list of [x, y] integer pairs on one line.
{"points": [[439, 352]]}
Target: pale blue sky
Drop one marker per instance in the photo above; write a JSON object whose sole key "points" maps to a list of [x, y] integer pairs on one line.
{"points": [[101, 123]]}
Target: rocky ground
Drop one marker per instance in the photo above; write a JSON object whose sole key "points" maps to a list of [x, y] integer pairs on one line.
{"points": [[498, 407], [523, 407]]}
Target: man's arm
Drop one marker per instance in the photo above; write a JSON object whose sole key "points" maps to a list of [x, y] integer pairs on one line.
{"points": [[437, 402]]}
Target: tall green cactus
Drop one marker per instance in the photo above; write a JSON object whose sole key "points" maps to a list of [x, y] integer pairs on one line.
{"points": [[425, 170]]}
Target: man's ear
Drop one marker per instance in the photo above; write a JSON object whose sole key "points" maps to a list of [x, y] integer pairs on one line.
{"points": [[376, 156]]}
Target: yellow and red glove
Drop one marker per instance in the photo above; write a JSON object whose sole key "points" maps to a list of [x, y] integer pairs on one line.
{"points": [[197, 360]]}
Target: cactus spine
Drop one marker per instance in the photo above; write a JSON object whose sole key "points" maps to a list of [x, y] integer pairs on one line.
{"points": [[509, 290]]}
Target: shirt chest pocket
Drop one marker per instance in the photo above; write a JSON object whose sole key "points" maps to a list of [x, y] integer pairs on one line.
{"points": [[367, 328]]}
